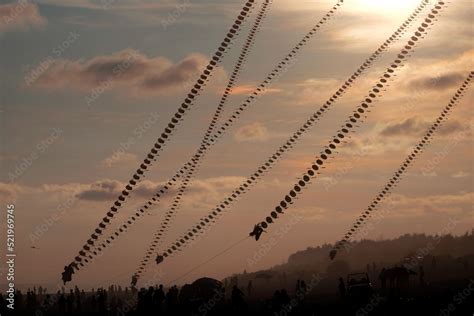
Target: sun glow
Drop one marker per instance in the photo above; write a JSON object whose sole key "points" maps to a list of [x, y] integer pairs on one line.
{"points": [[393, 8], [384, 5]]}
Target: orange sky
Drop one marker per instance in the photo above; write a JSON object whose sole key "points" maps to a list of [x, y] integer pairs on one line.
{"points": [[100, 143]]}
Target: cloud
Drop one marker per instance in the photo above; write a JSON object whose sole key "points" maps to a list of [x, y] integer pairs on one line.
{"points": [[119, 158], [108, 190], [314, 90], [440, 82], [9, 191], [460, 174], [247, 89], [200, 192], [101, 191], [441, 204], [409, 126], [415, 127], [127, 69], [255, 132], [314, 213], [430, 74], [20, 15], [451, 127]]}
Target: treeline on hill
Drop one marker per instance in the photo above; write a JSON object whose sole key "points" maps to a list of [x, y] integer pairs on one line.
{"points": [[389, 251], [443, 258]]}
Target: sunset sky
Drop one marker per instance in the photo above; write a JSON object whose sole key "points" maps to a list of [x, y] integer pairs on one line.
{"points": [[60, 135]]}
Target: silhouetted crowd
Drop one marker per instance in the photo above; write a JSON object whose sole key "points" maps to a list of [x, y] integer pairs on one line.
{"points": [[387, 290], [154, 300]]}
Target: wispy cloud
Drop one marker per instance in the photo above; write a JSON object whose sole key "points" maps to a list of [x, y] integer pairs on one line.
{"points": [[254, 132], [441, 82], [247, 89], [461, 174], [124, 158], [141, 75], [20, 15], [415, 126]]}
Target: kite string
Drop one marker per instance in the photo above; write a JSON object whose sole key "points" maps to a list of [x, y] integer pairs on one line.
{"points": [[343, 132], [211, 258], [246, 49], [185, 106], [425, 140], [217, 135], [197, 229], [188, 178]]}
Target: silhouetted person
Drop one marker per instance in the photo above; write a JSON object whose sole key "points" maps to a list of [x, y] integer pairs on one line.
{"points": [[399, 279], [172, 297], [70, 302], [342, 288], [383, 278], [159, 297], [284, 279], [276, 300], [422, 276], [47, 302], [101, 300], [30, 300], [78, 301], [2, 305], [303, 287], [298, 286], [284, 297], [62, 303], [93, 301], [237, 298], [249, 288], [18, 299]]}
